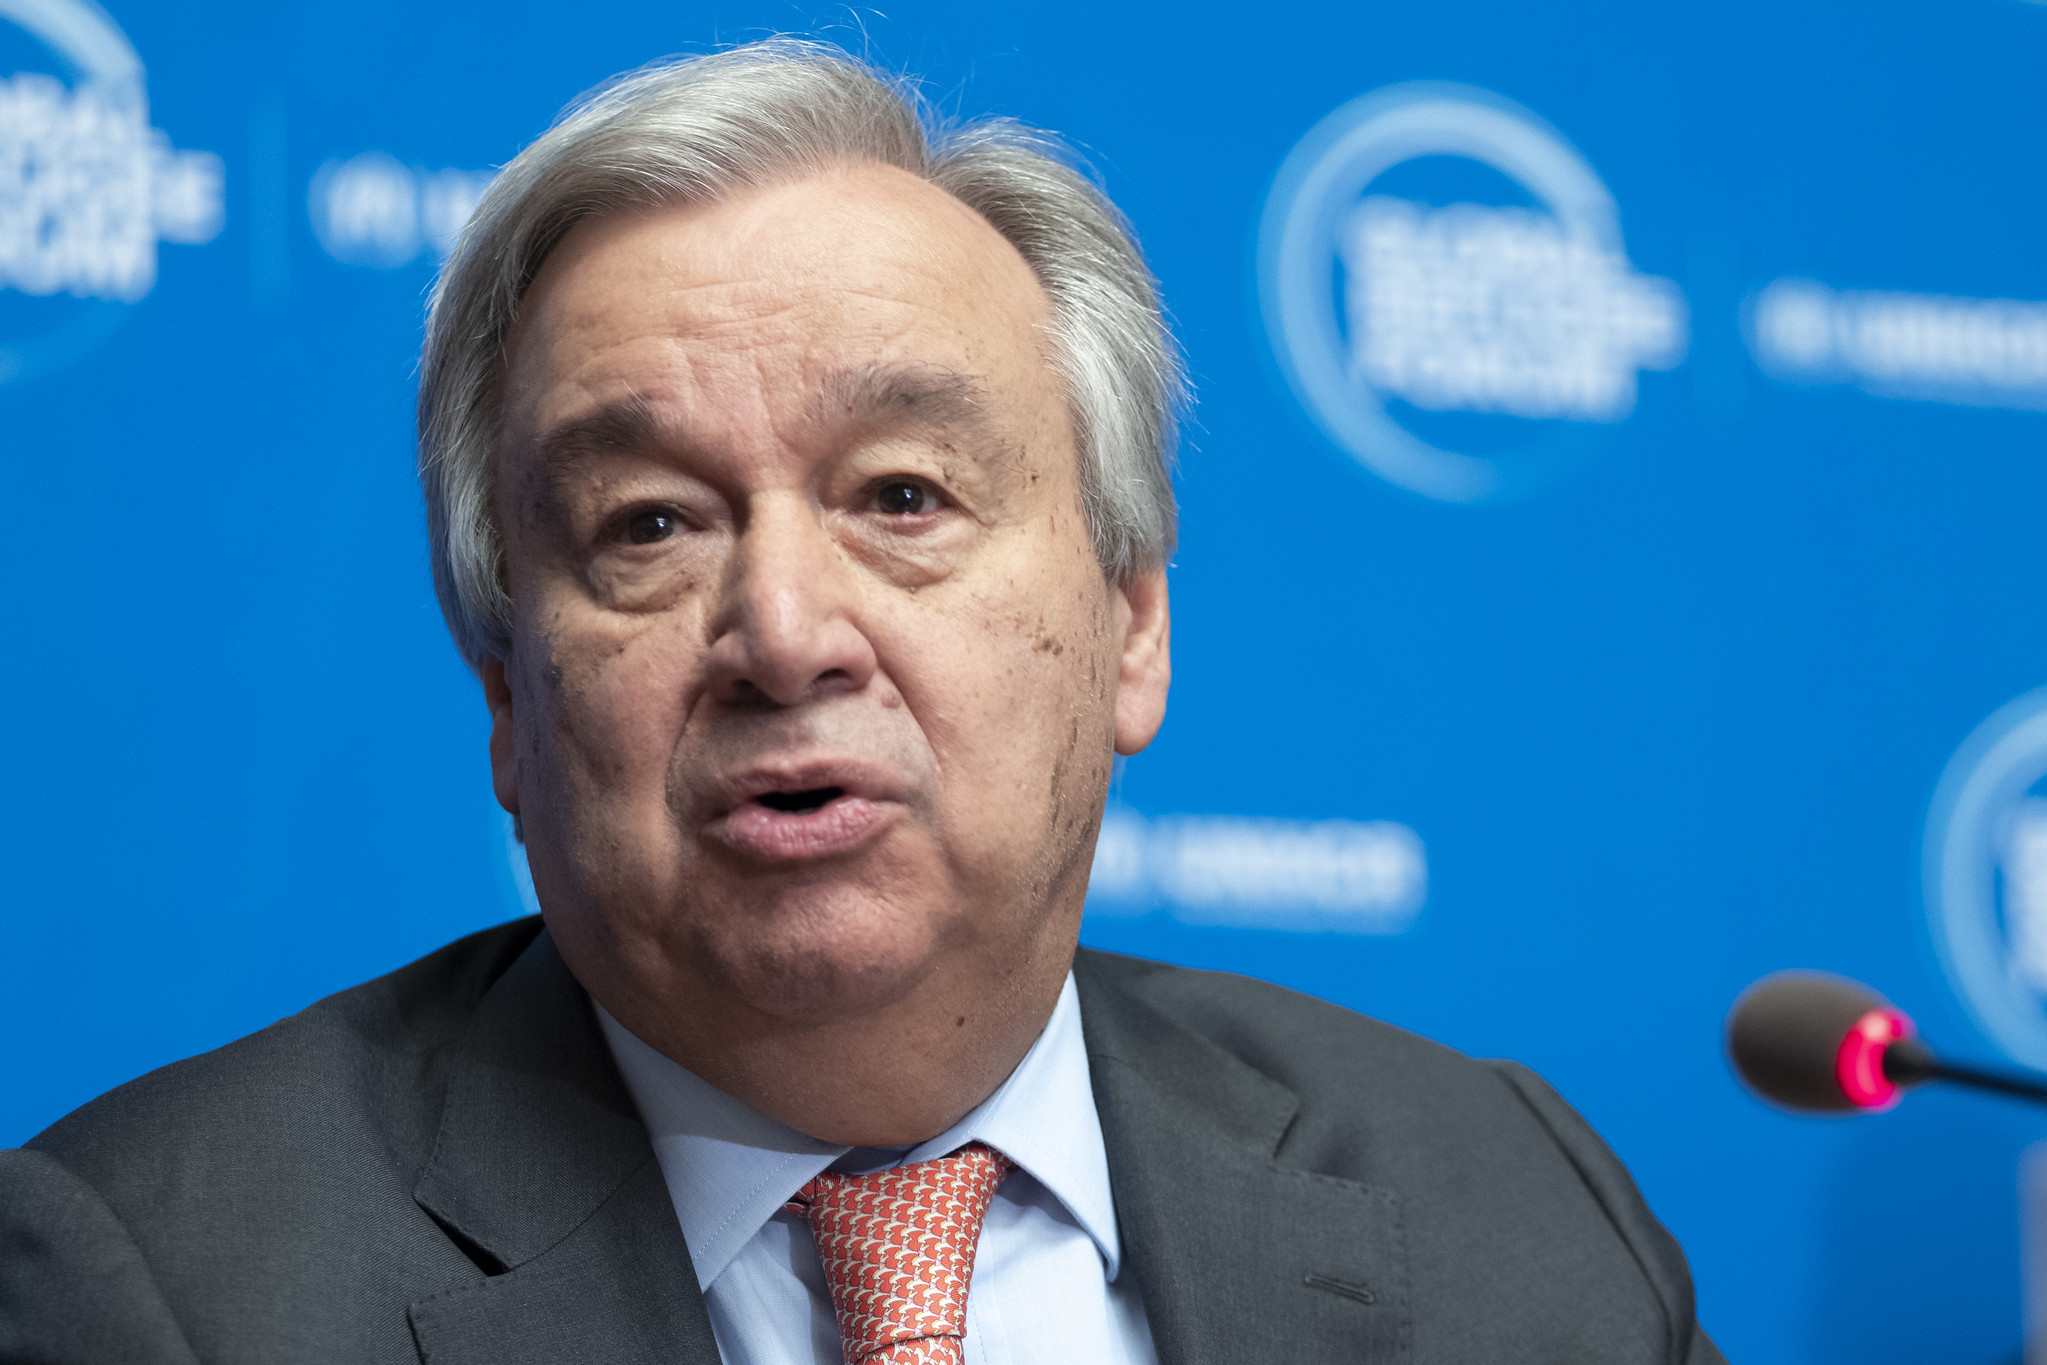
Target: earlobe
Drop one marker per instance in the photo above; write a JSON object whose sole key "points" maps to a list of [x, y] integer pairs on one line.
{"points": [[504, 748], [1147, 665]]}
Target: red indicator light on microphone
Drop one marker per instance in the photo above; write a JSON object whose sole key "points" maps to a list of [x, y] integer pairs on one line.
{"points": [[1822, 1044], [1859, 1064]]}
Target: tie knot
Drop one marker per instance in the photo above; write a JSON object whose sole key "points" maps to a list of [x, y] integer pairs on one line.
{"points": [[898, 1252]]}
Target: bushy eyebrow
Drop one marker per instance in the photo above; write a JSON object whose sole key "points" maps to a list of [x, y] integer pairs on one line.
{"points": [[626, 425], [929, 396]]}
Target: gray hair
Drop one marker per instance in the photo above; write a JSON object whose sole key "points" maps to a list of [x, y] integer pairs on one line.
{"points": [[692, 129]]}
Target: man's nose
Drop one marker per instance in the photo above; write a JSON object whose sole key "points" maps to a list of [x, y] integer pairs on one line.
{"points": [[786, 630]]}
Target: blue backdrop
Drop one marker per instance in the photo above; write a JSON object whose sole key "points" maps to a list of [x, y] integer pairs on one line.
{"points": [[1612, 563]]}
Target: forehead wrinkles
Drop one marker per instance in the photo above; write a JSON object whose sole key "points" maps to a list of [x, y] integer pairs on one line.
{"points": [[757, 329], [773, 356], [912, 395]]}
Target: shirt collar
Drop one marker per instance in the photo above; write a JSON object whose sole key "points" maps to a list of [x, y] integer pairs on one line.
{"points": [[729, 1168]]}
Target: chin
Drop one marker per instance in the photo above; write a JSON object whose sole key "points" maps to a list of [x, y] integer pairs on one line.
{"points": [[812, 958]]}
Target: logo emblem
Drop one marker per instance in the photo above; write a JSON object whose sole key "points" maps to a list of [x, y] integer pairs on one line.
{"points": [[373, 210], [1309, 876], [1988, 353], [1445, 286], [87, 188], [1986, 876]]}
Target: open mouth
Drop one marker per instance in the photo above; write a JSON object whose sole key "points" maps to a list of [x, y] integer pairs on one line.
{"points": [[796, 823], [800, 802]]}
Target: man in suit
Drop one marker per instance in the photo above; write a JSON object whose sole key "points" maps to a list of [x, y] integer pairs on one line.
{"points": [[797, 477]]}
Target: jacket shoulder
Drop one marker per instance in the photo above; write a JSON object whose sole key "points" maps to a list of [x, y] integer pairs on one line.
{"points": [[1315, 1048], [1483, 1156], [256, 1202], [366, 1056], [73, 1285], [1363, 1083]]}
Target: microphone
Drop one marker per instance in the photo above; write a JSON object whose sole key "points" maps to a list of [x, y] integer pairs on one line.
{"points": [[1821, 1043]]}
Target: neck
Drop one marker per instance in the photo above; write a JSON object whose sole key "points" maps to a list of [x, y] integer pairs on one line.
{"points": [[893, 1074]]}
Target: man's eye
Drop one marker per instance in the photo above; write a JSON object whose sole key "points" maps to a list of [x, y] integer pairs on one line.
{"points": [[903, 498], [647, 527]]}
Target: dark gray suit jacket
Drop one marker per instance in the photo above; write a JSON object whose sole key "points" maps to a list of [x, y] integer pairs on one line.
{"points": [[444, 1166]]}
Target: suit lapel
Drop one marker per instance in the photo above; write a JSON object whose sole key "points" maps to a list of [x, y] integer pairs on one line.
{"points": [[542, 1169], [1238, 1257]]}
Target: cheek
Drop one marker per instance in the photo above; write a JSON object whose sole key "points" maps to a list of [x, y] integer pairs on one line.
{"points": [[656, 578], [1015, 691], [613, 699]]}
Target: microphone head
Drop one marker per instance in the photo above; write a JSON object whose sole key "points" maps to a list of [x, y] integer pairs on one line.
{"points": [[1814, 1041]]}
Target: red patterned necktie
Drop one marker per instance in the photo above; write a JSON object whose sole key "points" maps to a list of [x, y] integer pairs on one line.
{"points": [[898, 1253]]}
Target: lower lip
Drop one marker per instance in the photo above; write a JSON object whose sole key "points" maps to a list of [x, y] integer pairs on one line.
{"points": [[838, 826]]}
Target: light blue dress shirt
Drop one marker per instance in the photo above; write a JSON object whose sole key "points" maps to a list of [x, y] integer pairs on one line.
{"points": [[1046, 1287]]}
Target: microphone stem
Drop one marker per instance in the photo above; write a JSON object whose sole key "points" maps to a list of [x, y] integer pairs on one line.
{"points": [[2002, 1082], [1909, 1061]]}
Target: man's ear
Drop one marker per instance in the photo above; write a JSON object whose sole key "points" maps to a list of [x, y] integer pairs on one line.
{"points": [[1147, 664], [504, 747]]}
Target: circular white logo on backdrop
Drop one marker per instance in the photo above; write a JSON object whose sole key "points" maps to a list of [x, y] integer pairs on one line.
{"points": [[1986, 876], [87, 187], [1445, 287]]}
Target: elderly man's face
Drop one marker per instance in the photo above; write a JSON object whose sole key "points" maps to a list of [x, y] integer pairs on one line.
{"points": [[815, 680]]}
